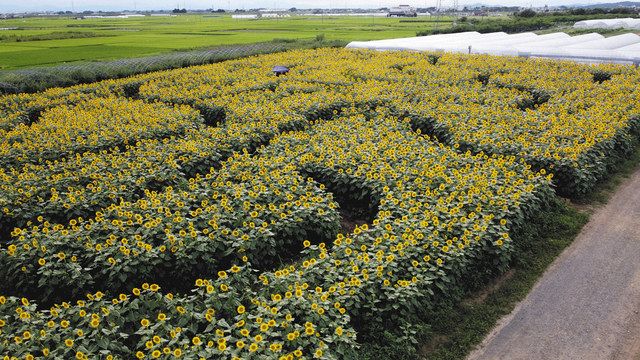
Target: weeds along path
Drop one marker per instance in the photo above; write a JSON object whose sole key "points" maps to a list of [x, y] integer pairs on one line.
{"points": [[587, 304]]}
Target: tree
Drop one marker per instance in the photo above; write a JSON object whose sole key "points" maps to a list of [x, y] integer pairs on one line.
{"points": [[527, 13]]}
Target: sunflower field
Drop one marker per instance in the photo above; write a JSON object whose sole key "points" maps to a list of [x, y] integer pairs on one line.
{"points": [[223, 212]]}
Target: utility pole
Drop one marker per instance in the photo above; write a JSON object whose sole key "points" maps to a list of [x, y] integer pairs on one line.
{"points": [[438, 6]]}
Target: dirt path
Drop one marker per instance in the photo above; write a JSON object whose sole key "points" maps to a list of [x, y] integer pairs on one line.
{"points": [[587, 304]]}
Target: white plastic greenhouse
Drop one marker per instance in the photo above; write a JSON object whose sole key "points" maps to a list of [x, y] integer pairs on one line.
{"points": [[592, 48], [626, 23]]}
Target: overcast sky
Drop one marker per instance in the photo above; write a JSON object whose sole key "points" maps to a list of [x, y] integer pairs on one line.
{"points": [[80, 5]]}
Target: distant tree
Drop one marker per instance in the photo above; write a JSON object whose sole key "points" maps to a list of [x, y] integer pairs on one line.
{"points": [[179, 11], [527, 13], [222, 11], [293, 9], [625, 10]]}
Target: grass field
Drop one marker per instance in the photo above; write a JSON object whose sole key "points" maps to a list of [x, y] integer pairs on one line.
{"points": [[106, 39]]}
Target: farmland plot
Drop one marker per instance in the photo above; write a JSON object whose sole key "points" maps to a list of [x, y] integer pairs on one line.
{"points": [[203, 220]]}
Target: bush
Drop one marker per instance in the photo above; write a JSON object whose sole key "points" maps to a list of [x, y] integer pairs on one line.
{"points": [[601, 76], [527, 13]]}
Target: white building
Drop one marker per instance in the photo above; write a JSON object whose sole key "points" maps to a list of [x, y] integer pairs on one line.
{"points": [[403, 11]]}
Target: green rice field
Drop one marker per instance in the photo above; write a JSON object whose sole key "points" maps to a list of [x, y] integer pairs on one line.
{"points": [[56, 40]]}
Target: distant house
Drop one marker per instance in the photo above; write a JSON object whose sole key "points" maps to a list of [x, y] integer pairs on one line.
{"points": [[402, 11]]}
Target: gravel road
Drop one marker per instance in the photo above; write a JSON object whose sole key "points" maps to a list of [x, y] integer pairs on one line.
{"points": [[587, 304]]}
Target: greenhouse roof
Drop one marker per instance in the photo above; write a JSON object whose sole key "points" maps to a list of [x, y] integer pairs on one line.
{"points": [[626, 23], [592, 48]]}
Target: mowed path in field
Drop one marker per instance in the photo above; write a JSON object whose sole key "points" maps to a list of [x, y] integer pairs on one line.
{"points": [[587, 304]]}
